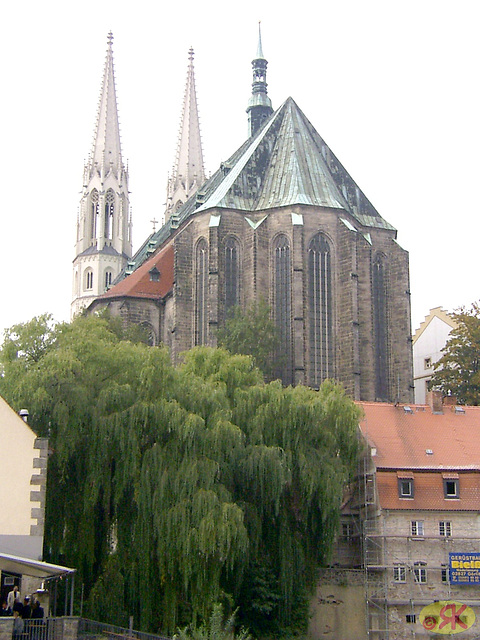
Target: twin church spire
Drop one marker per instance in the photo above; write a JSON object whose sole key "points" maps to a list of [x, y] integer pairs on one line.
{"points": [[188, 173], [104, 239], [106, 152]]}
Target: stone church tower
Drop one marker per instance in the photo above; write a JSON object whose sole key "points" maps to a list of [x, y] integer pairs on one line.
{"points": [[103, 242], [281, 220]]}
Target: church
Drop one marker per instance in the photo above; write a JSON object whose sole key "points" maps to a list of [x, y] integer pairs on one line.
{"points": [[281, 220]]}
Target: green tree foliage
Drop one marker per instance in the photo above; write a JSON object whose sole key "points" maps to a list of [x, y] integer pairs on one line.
{"points": [[253, 333], [185, 486], [458, 370], [215, 629]]}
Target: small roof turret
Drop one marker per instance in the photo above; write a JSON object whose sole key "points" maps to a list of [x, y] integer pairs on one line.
{"points": [[259, 106]]}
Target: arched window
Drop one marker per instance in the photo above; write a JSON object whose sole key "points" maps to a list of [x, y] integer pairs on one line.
{"points": [[94, 213], [108, 279], [320, 311], [380, 327], [149, 333], [283, 307], [201, 291], [232, 272], [109, 211], [88, 279]]}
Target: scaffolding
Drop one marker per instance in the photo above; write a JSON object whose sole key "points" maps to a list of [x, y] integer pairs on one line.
{"points": [[384, 551]]}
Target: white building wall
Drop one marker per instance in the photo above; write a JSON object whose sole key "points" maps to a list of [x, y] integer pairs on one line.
{"points": [[427, 350], [23, 461]]}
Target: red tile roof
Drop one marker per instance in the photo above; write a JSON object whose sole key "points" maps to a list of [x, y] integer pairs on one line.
{"points": [[404, 440], [428, 447], [139, 283]]}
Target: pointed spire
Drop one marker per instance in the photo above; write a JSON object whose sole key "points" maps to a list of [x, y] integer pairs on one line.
{"points": [[106, 151], [188, 172], [259, 47], [259, 106]]}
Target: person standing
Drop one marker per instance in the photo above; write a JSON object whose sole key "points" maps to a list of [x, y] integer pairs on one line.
{"points": [[27, 609], [18, 626], [13, 597]]}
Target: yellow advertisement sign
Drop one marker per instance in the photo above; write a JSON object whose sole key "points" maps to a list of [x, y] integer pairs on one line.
{"points": [[447, 616]]}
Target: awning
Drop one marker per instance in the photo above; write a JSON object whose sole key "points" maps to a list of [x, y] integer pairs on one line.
{"points": [[34, 568]]}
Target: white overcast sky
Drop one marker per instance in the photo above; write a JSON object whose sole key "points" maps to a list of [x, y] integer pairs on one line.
{"points": [[392, 87]]}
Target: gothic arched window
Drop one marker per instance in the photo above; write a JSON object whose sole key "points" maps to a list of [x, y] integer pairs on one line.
{"points": [[94, 213], [283, 306], [380, 327], [149, 333], [109, 212], [108, 279], [232, 274], [201, 291], [88, 279], [320, 310]]}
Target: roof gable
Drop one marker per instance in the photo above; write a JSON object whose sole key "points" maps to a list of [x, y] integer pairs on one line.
{"points": [[436, 314], [285, 163], [288, 163]]}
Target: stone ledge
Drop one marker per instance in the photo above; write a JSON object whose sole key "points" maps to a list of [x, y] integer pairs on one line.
{"points": [[41, 443]]}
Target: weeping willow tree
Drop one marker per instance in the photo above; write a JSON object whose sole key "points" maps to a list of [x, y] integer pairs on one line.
{"points": [[191, 485]]}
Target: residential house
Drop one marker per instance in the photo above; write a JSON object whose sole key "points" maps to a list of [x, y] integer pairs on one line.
{"points": [[428, 341], [419, 514]]}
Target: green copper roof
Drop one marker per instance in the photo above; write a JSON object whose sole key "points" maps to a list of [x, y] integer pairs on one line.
{"points": [[288, 163], [285, 163]]}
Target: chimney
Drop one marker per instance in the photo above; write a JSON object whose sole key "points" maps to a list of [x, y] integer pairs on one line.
{"points": [[450, 400], [23, 413], [435, 401]]}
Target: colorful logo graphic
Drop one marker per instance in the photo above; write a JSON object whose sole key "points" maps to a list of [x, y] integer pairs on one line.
{"points": [[447, 616]]}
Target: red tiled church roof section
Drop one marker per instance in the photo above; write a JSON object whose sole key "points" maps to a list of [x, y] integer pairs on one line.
{"points": [[416, 438], [140, 283], [428, 492]]}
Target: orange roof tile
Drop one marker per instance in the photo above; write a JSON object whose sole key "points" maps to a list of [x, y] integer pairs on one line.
{"points": [[421, 439], [139, 283], [428, 493]]}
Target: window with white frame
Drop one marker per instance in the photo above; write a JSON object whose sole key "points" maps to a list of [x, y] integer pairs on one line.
{"points": [[445, 528], [420, 572], [417, 529], [444, 573], [399, 573], [411, 618]]}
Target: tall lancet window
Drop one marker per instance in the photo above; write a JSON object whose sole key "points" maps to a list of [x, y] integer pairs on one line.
{"points": [[109, 211], [232, 275], [380, 327], [320, 311], [201, 292], [94, 213], [283, 307]]}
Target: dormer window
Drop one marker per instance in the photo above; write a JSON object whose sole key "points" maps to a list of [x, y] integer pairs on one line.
{"points": [[451, 489], [405, 487], [154, 275]]}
